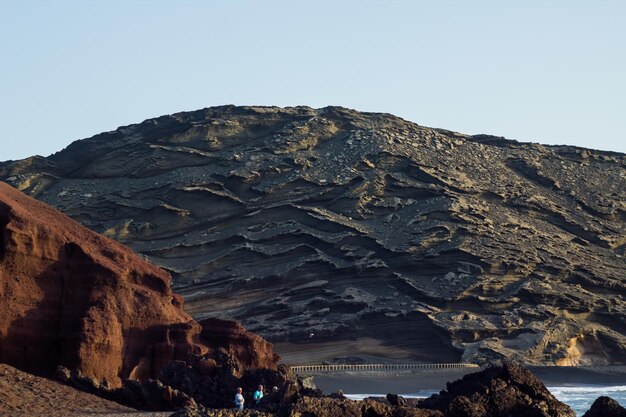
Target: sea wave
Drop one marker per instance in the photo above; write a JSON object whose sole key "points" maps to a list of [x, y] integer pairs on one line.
{"points": [[580, 397], [586, 389], [419, 394]]}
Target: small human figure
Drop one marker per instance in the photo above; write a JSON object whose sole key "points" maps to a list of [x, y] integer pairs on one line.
{"points": [[340, 393], [258, 394], [274, 389], [239, 400]]}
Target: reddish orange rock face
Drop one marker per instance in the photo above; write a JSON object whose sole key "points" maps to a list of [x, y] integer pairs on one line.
{"points": [[251, 350], [71, 297]]}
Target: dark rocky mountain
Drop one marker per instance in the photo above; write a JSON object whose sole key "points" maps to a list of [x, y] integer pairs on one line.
{"points": [[342, 235]]}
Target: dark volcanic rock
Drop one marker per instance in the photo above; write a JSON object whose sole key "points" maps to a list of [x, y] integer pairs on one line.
{"points": [[72, 298], [501, 391], [396, 400], [317, 407], [605, 407], [145, 395], [319, 225], [328, 407], [202, 412]]}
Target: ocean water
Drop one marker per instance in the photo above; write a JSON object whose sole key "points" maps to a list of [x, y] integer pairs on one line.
{"points": [[578, 397]]}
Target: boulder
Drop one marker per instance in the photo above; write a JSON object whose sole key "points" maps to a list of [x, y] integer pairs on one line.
{"points": [[498, 391], [605, 407], [396, 400]]}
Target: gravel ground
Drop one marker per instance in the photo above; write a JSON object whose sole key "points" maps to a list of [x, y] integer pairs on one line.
{"points": [[25, 395], [123, 414]]}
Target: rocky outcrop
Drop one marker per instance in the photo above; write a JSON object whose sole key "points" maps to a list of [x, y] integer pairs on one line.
{"points": [[147, 394], [605, 407], [70, 297], [251, 351], [327, 228], [501, 391], [396, 400]]}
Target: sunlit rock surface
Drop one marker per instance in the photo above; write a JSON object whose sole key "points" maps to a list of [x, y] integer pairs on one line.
{"points": [[343, 235]]}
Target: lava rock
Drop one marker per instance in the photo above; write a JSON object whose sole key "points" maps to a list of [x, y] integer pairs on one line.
{"points": [[499, 391], [396, 400], [327, 407], [605, 407]]}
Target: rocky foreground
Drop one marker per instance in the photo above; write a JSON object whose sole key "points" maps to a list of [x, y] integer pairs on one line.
{"points": [[506, 391], [342, 235]]}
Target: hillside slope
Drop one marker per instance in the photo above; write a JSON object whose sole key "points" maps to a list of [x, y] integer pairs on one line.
{"points": [[339, 234]]}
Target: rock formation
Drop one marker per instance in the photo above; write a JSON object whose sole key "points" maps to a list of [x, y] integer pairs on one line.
{"points": [[501, 391], [72, 298], [605, 407], [331, 227]]}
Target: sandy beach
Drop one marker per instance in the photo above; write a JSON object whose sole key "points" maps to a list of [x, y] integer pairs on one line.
{"points": [[410, 382], [582, 375]]}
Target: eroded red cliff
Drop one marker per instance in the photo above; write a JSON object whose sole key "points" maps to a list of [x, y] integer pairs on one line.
{"points": [[71, 297]]}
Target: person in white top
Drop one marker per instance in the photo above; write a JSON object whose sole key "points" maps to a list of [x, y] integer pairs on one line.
{"points": [[239, 400]]}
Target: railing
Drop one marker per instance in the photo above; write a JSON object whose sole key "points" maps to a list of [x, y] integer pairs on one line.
{"points": [[380, 367]]}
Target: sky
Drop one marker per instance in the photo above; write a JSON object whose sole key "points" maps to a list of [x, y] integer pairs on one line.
{"points": [[548, 71]]}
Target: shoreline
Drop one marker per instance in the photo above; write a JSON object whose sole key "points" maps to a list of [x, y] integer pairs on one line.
{"points": [[412, 382]]}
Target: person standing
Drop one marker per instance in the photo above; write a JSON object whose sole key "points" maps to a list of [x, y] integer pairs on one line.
{"points": [[258, 394], [239, 400]]}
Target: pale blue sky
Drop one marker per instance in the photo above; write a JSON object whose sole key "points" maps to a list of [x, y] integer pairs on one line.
{"points": [[544, 71]]}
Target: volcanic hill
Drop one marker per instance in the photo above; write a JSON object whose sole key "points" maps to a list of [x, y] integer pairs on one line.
{"points": [[343, 236]]}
